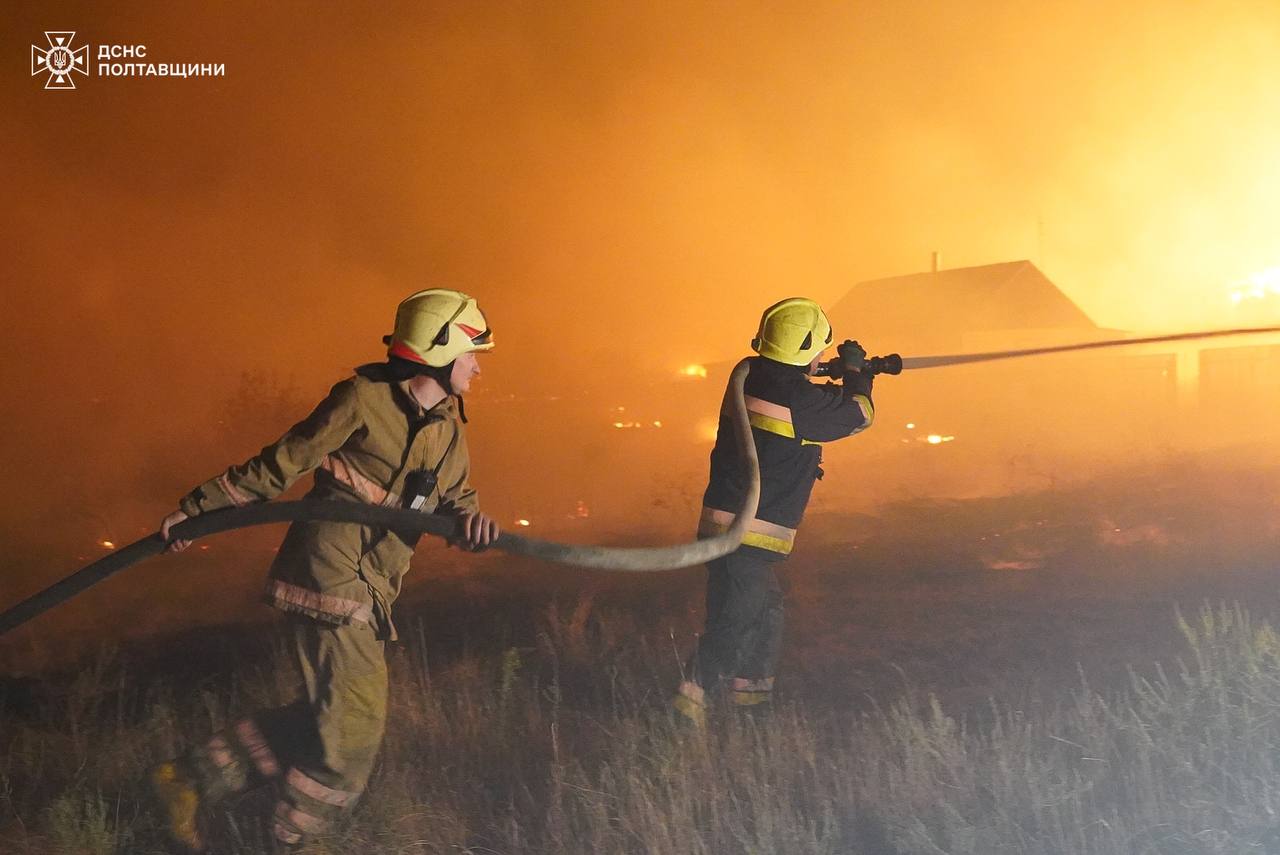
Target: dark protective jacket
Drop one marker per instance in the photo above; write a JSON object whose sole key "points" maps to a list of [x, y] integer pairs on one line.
{"points": [[790, 418], [365, 441]]}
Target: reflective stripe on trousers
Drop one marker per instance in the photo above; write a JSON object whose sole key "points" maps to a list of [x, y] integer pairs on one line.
{"points": [[327, 741]]}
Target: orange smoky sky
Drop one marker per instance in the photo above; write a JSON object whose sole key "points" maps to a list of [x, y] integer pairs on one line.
{"points": [[620, 184]]}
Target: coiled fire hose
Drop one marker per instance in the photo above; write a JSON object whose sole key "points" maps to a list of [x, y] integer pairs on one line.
{"points": [[626, 559]]}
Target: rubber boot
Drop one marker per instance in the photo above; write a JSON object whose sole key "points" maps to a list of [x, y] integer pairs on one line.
{"points": [[178, 800], [690, 705]]}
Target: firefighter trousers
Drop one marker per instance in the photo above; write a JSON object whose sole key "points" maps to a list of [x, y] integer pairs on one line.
{"points": [[319, 750], [743, 634]]}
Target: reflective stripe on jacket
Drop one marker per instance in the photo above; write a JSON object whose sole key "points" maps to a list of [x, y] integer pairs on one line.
{"points": [[760, 533], [365, 438], [790, 416]]}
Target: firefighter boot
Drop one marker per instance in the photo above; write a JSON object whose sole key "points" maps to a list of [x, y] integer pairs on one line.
{"points": [[179, 801], [751, 697], [281, 846], [690, 705]]}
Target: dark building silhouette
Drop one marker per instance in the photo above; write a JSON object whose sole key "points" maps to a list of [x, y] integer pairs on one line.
{"points": [[968, 308]]}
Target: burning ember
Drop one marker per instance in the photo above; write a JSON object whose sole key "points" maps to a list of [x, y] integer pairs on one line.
{"points": [[931, 438], [694, 371], [106, 544], [1136, 534]]}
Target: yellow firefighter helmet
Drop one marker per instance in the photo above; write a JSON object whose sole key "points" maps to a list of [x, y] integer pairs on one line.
{"points": [[793, 331], [436, 326]]}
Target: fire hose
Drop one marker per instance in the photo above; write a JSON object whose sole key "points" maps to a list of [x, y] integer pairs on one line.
{"points": [[627, 559], [894, 364], [991, 356]]}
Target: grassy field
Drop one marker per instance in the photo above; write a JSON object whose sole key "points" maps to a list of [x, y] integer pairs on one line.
{"points": [[565, 747], [991, 685]]}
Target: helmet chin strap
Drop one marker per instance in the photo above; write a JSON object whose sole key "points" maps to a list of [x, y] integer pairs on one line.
{"points": [[442, 374], [402, 369]]}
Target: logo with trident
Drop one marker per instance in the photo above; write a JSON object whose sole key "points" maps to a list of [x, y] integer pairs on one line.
{"points": [[59, 60]]}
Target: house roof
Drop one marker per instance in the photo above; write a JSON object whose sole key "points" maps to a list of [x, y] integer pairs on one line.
{"points": [[1010, 296]]}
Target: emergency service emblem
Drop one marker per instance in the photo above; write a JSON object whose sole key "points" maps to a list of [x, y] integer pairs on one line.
{"points": [[59, 60]]}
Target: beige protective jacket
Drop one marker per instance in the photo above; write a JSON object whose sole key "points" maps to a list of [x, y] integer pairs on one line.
{"points": [[363, 440]]}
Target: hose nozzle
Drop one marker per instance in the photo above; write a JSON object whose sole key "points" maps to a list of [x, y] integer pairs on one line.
{"points": [[888, 364]]}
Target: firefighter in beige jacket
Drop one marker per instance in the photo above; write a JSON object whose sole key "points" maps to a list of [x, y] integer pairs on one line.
{"points": [[391, 435]]}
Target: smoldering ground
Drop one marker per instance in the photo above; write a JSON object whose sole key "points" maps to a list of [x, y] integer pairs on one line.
{"points": [[995, 635]]}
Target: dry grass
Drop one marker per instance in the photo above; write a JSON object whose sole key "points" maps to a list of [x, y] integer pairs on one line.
{"points": [[566, 747]]}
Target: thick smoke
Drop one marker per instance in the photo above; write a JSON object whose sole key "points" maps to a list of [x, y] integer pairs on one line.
{"points": [[624, 188]]}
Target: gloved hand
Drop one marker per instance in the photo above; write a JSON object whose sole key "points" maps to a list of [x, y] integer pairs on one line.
{"points": [[853, 357], [852, 354], [857, 383]]}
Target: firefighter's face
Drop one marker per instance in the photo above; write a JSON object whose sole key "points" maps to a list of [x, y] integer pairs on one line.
{"points": [[465, 368], [813, 366]]}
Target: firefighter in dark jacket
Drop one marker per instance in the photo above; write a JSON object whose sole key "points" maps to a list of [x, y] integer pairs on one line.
{"points": [[790, 418], [392, 435]]}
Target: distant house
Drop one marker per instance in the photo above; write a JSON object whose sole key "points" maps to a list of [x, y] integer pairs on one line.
{"points": [[992, 306], [1231, 384]]}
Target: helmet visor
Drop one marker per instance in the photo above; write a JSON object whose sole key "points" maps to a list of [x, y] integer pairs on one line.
{"points": [[478, 337]]}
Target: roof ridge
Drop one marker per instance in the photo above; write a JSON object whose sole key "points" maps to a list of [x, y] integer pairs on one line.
{"points": [[1018, 263], [975, 295]]}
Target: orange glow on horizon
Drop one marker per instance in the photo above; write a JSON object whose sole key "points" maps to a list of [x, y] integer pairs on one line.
{"points": [[625, 188]]}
